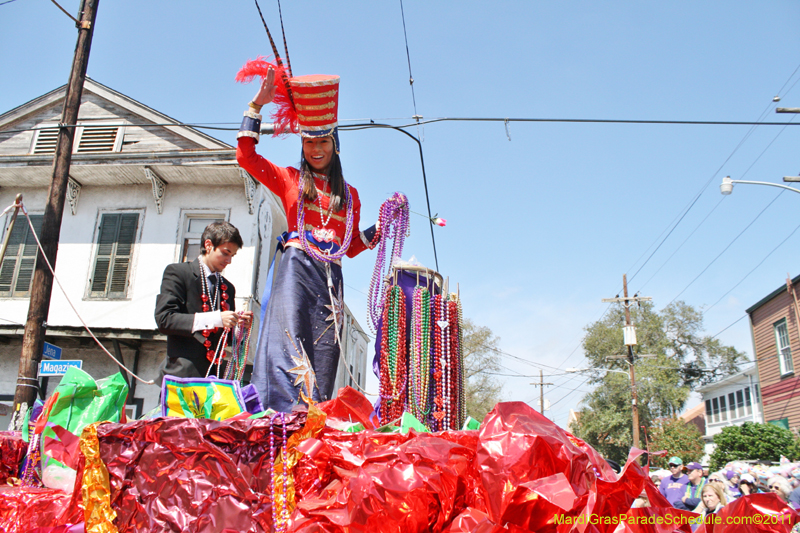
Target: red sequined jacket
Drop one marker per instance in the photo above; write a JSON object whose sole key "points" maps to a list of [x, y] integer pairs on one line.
{"points": [[284, 182]]}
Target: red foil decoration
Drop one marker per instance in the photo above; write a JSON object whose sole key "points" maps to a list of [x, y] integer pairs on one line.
{"points": [[12, 452], [23, 509]]}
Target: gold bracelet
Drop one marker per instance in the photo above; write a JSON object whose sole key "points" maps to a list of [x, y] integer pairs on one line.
{"points": [[255, 106]]}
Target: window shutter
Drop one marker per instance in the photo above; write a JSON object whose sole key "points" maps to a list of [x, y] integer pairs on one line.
{"points": [[19, 263], [114, 249]]}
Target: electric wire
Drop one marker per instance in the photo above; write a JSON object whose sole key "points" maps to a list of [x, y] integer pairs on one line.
{"points": [[754, 268], [7, 2], [728, 246]]}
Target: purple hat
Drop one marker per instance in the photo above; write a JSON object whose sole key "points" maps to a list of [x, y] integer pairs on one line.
{"points": [[694, 466], [730, 474]]}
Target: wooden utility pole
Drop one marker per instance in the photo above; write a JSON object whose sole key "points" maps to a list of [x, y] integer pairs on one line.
{"points": [[541, 386], [42, 285], [630, 342]]}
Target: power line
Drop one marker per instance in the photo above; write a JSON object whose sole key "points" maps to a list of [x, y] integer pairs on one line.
{"points": [[728, 246]]}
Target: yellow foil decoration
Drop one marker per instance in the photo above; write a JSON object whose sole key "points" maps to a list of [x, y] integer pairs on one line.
{"points": [[96, 489]]}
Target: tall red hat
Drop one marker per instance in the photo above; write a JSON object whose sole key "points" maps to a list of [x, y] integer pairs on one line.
{"points": [[308, 105]]}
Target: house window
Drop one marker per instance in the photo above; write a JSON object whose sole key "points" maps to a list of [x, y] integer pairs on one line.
{"points": [[723, 409], [708, 411], [755, 393], [89, 138], [748, 408], [784, 349], [740, 401], [115, 240], [193, 226], [16, 273], [715, 410], [732, 405]]}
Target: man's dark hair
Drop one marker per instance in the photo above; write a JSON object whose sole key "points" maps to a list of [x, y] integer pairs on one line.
{"points": [[219, 233]]}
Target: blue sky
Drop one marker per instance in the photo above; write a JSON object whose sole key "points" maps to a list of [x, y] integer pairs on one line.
{"points": [[541, 227]]}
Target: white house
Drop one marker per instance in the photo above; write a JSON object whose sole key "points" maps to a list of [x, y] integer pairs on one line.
{"points": [[731, 402], [140, 194]]}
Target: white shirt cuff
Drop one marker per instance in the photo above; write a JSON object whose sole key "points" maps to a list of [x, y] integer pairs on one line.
{"points": [[210, 320]]}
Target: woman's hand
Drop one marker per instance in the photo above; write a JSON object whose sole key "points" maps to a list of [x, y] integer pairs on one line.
{"points": [[266, 92]]}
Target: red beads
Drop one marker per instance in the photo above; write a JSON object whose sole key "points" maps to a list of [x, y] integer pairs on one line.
{"points": [[210, 355], [206, 308], [207, 344], [224, 305], [224, 288], [206, 333], [204, 297]]}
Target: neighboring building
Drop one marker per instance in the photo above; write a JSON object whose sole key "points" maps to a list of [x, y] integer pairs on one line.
{"points": [[774, 326], [695, 417], [140, 194], [730, 402]]}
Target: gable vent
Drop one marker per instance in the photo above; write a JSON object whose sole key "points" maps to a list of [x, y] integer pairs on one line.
{"points": [[46, 140], [88, 139], [98, 139]]}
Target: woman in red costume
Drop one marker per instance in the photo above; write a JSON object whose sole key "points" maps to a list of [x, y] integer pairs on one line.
{"points": [[303, 307]]}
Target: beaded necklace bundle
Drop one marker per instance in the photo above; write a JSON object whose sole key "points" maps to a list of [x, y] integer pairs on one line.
{"points": [[449, 408], [238, 360], [419, 360], [393, 367], [393, 224]]}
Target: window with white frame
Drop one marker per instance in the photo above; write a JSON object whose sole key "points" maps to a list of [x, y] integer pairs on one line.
{"points": [[193, 226], [116, 237], [715, 410], [723, 409], [708, 411], [748, 407], [732, 405], [784, 349], [19, 262]]}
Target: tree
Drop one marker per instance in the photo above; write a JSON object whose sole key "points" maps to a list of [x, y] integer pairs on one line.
{"points": [[752, 441], [480, 352], [677, 438], [684, 360]]}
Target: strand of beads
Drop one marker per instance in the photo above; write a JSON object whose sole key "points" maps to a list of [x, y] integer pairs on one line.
{"points": [[393, 357], [313, 251], [419, 357], [280, 516], [437, 414], [393, 224], [462, 412], [32, 469], [444, 325], [455, 366], [238, 359]]}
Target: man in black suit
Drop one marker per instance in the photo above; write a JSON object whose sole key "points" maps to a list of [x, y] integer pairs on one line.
{"points": [[196, 302]]}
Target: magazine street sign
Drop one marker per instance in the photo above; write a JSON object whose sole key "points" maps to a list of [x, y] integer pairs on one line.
{"points": [[57, 368]]}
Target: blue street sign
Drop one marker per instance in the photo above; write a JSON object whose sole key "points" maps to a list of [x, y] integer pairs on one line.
{"points": [[51, 351], [57, 368]]}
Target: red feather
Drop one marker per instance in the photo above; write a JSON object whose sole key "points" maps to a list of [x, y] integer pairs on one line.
{"points": [[284, 115]]}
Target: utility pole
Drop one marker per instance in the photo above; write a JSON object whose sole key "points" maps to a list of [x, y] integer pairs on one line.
{"points": [[630, 342], [541, 386], [42, 285]]}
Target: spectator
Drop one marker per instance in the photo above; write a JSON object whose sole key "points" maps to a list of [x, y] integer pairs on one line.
{"points": [[794, 498], [673, 487], [747, 485], [692, 495], [733, 483], [713, 499], [780, 486], [656, 480], [720, 480]]}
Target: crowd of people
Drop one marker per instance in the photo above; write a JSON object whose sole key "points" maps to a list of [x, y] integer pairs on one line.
{"points": [[692, 487]]}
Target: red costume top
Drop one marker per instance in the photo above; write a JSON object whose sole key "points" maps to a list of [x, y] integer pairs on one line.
{"points": [[284, 182]]}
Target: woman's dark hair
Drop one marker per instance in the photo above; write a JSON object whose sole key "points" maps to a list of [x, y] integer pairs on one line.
{"points": [[335, 179], [219, 233]]}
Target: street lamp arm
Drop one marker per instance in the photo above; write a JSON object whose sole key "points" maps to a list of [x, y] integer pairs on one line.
{"points": [[767, 183], [727, 185], [595, 369]]}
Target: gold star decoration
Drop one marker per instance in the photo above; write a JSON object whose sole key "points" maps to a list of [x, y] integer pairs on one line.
{"points": [[304, 371]]}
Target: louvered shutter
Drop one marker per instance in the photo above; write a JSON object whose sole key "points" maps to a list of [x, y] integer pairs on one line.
{"points": [[114, 250], [97, 139], [46, 140], [16, 273]]}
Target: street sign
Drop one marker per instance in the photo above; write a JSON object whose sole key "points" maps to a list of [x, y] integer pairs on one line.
{"points": [[51, 351], [57, 368]]}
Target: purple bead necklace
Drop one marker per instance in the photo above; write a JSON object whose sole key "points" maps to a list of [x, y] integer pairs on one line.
{"points": [[393, 224]]}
